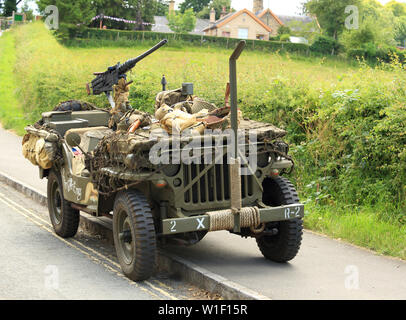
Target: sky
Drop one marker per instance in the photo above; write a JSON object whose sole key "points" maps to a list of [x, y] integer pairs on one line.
{"points": [[282, 7]]}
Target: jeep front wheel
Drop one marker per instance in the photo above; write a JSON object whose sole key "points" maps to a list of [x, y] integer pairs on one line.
{"points": [[285, 245], [134, 235], [64, 218]]}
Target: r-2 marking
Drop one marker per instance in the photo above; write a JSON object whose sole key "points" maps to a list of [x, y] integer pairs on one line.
{"points": [[291, 213]]}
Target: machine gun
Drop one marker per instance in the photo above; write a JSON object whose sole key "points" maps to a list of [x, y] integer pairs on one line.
{"points": [[104, 81]]}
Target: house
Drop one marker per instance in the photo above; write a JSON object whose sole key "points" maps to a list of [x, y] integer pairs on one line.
{"points": [[258, 24], [242, 24], [271, 20]]}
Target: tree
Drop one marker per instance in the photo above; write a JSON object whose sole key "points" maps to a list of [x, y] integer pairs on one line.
{"points": [[330, 14], [144, 10], [400, 30], [376, 28], [196, 5], [182, 22], [162, 8], [28, 12], [9, 7], [218, 6], [308, 30], [80, 11], [398, 8], [284, 30]]}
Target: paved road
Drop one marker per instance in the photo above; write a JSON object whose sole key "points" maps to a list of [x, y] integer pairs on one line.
{"points": [[324, 268], [37, 264], [14, 164]]}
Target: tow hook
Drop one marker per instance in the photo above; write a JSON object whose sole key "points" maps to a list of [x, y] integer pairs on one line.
{"points": [[270, 232]]}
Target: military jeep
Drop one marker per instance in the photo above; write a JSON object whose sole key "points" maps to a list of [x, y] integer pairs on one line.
{"points": [[94, 166]]}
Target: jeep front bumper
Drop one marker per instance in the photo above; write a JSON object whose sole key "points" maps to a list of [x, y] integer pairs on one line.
{"points": [[202, 222]]}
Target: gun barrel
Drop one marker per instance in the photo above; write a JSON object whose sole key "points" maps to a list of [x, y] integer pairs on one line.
{"points": [[128, 65]]}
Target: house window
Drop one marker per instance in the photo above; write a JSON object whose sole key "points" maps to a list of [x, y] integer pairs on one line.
{"points": [[243, 33], [226, 34], [260, 37]]}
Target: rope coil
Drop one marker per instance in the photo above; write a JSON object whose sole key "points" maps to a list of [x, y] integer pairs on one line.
{"points": [[224, 219]]}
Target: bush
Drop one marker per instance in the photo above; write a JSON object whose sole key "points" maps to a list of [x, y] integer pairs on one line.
{"points": [[285, 38], [326, 45], [372, 54], [284, 30]]}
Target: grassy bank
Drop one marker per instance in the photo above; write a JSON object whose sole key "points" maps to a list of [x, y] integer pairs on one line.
{"points": [[11, 112], [346, 124]]}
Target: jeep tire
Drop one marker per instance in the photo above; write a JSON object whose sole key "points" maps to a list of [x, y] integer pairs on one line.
{"points": [[285, 245], [134, 235], [64, 218]]}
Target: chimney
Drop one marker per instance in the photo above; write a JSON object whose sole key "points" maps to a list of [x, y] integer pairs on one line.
{"points": [[258, 6], [212, 15], [171, 6], [223, 12]]}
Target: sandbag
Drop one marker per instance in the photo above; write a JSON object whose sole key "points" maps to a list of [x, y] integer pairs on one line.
{"points": [[38, 151], [170, 98], [176, 120], [200, 104]]}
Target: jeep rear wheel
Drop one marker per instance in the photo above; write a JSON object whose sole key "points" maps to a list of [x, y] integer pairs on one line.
{"points": [[134, 235], [64, 218], [285, 245]]}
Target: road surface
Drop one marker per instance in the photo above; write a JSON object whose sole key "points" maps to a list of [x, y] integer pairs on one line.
{"points": [[37, 264]]}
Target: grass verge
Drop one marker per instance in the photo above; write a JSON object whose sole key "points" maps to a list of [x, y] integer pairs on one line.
{"points": [[11, 112], [359, 226]]}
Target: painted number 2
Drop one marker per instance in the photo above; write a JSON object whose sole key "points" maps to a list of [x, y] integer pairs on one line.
{"points": [[291, 213], [173, 225]]}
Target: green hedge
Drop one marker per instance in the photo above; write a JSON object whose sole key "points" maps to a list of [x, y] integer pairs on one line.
{"points": [[326, 45], [80, 36], [383, 54]]}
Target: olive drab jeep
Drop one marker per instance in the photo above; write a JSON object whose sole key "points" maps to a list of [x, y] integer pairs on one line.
{"points": [[172, 176]]}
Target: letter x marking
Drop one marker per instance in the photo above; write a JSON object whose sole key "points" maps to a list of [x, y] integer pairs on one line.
{"points": [[200, 223]]}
